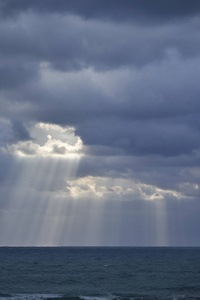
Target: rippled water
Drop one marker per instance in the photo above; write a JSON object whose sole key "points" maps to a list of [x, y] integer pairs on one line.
{"points": [[99, 273]]}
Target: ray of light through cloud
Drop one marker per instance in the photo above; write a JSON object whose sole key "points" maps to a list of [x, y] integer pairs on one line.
{"points": [[99, 123], [37, 171]]}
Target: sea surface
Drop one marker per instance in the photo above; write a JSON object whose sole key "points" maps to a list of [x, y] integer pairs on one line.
{"points": [[98, 273]]}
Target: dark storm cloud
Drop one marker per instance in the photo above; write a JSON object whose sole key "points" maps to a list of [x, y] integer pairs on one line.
{"points": [[14, 75], [20, 131], [146, 137], [70, 42], [133, 9], [168, 173], [125, 76], [153, 111]]}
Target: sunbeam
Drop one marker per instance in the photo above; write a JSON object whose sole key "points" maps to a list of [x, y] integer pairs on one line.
{"points": [[38, 178], [99, 122], [161, 222]]}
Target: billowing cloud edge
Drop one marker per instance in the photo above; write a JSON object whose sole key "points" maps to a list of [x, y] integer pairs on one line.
{"points": [[48, 140]]}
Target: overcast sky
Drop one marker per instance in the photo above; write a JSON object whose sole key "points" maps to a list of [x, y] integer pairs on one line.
{"points": [[100, 122]]}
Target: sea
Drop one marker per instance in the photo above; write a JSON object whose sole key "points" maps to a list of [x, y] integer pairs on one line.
{"points": [[99, 273]]}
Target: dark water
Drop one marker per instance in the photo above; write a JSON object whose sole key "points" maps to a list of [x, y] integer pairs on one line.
{"points": [[89, 273]]}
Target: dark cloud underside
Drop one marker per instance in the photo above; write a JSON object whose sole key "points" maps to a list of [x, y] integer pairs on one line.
{"points": [[99, 101], [132, 9]]}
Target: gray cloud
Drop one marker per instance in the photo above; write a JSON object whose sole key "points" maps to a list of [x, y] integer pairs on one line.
{"points": [[12, 76], [20, 131], [133, 10], [125, 78], [98, 44]]}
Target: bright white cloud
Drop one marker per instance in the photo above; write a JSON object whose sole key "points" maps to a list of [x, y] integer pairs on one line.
{"points": [[103, 187], [49, 140]]}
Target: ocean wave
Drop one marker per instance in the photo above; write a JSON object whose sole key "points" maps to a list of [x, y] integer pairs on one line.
{"points": [[29, 297], [108, 297]]}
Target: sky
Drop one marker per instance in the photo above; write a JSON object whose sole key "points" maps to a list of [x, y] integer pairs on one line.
{"points": [[99, 123]]}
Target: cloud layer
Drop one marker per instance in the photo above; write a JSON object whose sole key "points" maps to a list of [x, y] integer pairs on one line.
{"points": [[107, 94]]}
